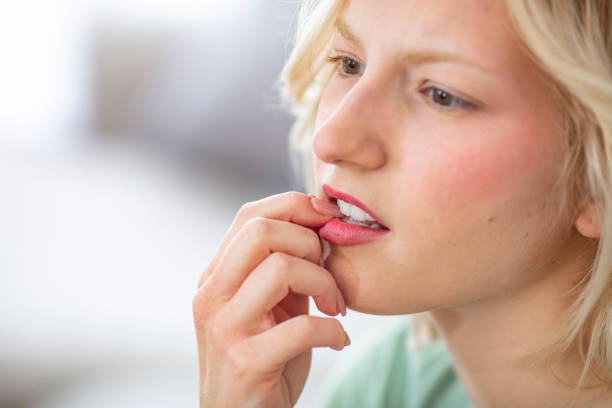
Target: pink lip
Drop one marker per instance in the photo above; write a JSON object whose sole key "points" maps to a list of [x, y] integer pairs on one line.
{"points": [[333, 193], [339, 232], [342, 233]]}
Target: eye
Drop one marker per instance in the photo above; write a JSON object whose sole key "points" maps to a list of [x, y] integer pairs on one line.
{"points": [[446, 99], [347, 66]]}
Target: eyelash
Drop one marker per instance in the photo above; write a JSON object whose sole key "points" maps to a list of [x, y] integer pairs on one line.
{"points": [[458, 102], [340, 60], [429, 91]]}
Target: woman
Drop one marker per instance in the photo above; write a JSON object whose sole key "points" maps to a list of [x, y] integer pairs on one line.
{"points": [[460, 155]]}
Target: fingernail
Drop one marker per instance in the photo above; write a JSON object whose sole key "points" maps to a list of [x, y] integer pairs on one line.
{"points": [[325, 207], [340, 305], [347, 341]]}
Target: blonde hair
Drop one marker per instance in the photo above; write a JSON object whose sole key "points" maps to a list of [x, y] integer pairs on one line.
{"points": [[571, 42]]}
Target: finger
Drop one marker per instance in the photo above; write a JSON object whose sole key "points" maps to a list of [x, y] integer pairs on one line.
{"points": [[280, 314], [295, 304], [290, 206], [277, 276], [293, 337], [259, 238]]}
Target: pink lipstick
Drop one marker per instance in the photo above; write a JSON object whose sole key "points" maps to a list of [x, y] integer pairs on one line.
{"points": [[340, 232]]}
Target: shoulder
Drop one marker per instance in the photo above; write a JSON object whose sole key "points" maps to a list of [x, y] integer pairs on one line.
{"points": [[386, 371]]}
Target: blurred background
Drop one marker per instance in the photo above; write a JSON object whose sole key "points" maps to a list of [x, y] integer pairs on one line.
{"points": [[130, 134]]}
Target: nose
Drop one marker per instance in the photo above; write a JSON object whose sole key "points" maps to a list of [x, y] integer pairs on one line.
{"points": [[355, 129]]}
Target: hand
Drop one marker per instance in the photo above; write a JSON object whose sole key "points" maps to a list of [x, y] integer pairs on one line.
{"points": [[254, 333]]}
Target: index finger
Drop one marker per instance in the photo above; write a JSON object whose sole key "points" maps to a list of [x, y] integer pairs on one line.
{"points": [[290, 206]]}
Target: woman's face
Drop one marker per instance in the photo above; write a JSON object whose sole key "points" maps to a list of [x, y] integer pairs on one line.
{"points": [[443, 127]]}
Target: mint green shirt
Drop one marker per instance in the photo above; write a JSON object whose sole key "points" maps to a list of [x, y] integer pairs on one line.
{"points": [[387, 373]]}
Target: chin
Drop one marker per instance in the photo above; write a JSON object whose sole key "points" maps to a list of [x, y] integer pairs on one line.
{"points": [[369, 294], [366, 291]]}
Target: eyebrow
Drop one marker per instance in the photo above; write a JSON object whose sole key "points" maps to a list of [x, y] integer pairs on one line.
{"points": [[415, 57]]}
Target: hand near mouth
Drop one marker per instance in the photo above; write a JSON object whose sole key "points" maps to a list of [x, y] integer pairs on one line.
{"points": [[255, 336], [326, 207]]}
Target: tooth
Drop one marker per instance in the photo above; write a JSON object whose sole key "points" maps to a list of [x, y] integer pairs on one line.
{"points": [[362, 224], [355, 222], [345, 208], [358, 214], [354, 211]]}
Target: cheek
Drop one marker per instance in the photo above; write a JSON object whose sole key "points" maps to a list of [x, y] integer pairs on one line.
{"points": [[508, 166]]}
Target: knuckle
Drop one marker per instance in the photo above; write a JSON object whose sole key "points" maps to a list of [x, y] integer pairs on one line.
{"points": [[294, 197], [247, 210], [304, 327], [238, 359], [201, 307], [217, 332], [198, 308], [278, 264], [258, 227]]}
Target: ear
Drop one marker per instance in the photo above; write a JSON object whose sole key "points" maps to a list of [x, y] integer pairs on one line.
{"points": [[587, 222]]}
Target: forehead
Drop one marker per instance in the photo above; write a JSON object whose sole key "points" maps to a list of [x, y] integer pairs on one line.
{"points": [[479, 30]]}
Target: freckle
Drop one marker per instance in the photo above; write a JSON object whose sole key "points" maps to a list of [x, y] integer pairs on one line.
{"points": [[526, 234], [492, 219], [544, 206], [528, 215]]}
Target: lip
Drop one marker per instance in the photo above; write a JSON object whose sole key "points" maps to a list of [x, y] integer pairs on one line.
{"points": [[342, 233], [339, 232], [333, 193]]}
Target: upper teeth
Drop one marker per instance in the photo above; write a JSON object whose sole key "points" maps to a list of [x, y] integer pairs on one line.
{"points": [[354, 212]]}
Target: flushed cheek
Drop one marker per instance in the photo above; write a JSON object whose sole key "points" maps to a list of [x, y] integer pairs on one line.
{"points": [[502, 170]]}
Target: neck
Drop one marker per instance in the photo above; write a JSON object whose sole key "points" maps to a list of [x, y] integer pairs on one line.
{"points": [[490, 342]]}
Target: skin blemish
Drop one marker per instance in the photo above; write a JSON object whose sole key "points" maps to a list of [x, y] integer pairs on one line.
{"points": [[491, 219]]}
